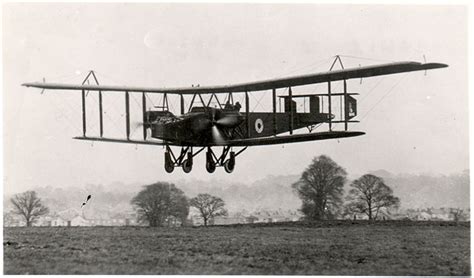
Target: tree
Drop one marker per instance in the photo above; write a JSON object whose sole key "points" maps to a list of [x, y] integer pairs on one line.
{"points": [[320, 188], [369, 195], [161, 202], [29, 206], [458, 214], [209, 206]]}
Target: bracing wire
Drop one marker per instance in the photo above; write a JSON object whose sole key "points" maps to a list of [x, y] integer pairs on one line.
{"points": [[372, 89], [384, 96], [63, 115], [312, 66], [366, 58]]}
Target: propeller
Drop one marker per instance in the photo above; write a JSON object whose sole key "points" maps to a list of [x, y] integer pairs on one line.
{"points": [[227, 120], [216, 124], [217, 136]]}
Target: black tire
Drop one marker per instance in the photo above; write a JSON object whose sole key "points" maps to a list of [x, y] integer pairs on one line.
{"points": [[190, 158], [229, 166], [169, 167], [187, 165], [210, 165]]}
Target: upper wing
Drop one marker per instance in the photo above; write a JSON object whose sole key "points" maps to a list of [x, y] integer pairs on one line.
{"points": [[300, 80]]}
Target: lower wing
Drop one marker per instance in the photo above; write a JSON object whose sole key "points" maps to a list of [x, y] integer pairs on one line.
{"points": [[273, 140]]}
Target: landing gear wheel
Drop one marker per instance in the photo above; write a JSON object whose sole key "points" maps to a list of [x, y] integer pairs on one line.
{"points": [[210, 165], [169, 167], [187, 165], [229, 165]]}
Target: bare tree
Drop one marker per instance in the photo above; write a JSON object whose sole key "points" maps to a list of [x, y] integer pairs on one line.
{"points": [[320, 188], [28, 205], [209, 206], [159, 202], [369, 195]]}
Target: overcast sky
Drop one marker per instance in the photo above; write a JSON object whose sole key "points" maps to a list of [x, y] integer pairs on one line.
{"points": [[415, 123]]}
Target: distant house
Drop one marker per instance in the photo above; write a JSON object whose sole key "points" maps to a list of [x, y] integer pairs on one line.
{"points": [[101, 222], [441, 214], [423, 216], [45, 220], [281, 219], [58, 222], [225, 220], [196, 220], [69, 213], [78, 221], [251, 219]]}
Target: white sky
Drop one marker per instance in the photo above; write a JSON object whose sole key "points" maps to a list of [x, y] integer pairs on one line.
{"points": [[420, 126]]}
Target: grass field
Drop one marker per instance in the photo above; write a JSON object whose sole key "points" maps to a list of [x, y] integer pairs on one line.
{"points": [[321, 248]]}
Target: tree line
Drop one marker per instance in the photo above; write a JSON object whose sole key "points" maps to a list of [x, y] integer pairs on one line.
{"points": [[158, 204], [321, 189], [161, 203]]}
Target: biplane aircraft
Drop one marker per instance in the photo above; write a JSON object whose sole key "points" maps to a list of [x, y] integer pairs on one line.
{"points": [[231, 125]]}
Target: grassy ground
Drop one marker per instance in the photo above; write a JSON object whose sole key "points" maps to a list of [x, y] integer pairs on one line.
{"points": [[322, 248]]}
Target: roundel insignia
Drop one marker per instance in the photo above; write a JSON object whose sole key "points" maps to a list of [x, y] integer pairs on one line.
{"points": [[259, 125]]}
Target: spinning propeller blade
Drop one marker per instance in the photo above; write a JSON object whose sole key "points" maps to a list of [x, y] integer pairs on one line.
{"points": [[217, 136], [228, 121]]}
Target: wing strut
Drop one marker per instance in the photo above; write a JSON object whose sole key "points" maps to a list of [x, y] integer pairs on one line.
{"points": [[144, 115], [290, 109], [127, 113], [274, 112], [84, 113], [346, 106], [181, 98], [329, 105], [247, 113], [101, 120]]}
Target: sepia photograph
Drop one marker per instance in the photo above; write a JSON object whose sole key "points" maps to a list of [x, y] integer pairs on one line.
{"points": [[235, 139]]}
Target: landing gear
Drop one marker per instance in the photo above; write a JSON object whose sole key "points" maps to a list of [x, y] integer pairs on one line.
{"points": [[212, 161], [184, 160]]}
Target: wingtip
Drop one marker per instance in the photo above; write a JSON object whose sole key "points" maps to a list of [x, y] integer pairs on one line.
{"points": [[435, 65]]}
